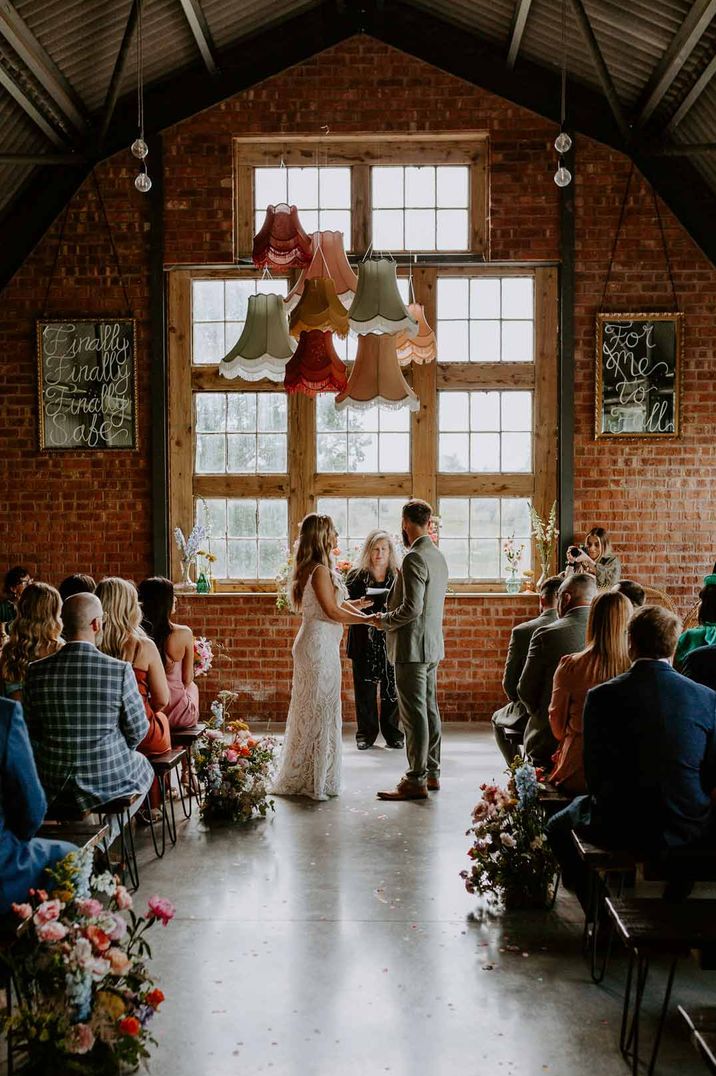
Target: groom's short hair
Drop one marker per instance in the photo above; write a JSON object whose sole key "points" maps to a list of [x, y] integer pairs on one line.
{"points": [[417, 512]]}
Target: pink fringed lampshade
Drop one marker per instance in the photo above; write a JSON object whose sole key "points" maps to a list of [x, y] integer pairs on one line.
{"points": [[281, 243], [319, 308], [376, 377], [329, 260], [315, 367], [420, 348]]}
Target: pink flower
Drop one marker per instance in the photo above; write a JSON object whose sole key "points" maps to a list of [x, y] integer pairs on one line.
{"points": [[90, 908], [508, 840], [51, 932], [160, 908], [100, 940], [119, 961], [213, 734], [123, 898], [24, 911], [119, 929], [47, 912], [80, 1039], [230, 755]]}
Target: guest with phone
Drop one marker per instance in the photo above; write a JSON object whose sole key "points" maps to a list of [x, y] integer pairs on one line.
{"points": [[373, 675], [597, 558]]}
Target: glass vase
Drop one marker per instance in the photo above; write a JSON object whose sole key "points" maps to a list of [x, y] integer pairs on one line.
{"points": [[187, 584], [513, 583]]}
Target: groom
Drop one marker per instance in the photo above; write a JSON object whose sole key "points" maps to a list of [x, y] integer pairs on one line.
{"points": [[414, 626]]}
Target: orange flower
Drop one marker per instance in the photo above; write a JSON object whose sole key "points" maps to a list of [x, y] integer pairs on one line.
{"points": [[251, 743], [245, 752], [130, 1026], [154, 998], [99, 939]]}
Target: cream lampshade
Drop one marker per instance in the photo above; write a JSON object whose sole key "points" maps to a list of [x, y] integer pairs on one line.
{"points": [[315, 367], [319, 308], [264, 347], [420, 348], [378, 307], [281, 243], [376, 377], [329, 260]]}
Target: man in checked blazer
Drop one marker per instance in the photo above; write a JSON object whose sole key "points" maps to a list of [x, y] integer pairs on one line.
{"points": [[414, 641], [86, 717]]}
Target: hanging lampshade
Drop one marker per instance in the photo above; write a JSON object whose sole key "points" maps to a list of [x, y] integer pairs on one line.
{"points": [[376, 377], [319, 308], [377, 307], [281, 243], [315, 367], [329, 259], [420, 348], [264, 347]]}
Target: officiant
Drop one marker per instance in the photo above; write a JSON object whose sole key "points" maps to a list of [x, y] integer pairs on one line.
{"points": [[373, 676]]}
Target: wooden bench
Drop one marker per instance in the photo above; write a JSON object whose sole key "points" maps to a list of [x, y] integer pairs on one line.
{"points": [[187, 738], [163, 766], [601, 863], [651, 928], [702, 1027], [86, 835], [551, 800]]}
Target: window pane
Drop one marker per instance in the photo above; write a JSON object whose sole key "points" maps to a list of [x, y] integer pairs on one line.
{"points": [[335, 188], [485, 452], [516, 452], [208, 300], [362, 516], [214, 516], [219, 568], [492, 520], [243, 560], [272, 412], [452, 229], [337, 509], [210, 453], [303, 188], [517, 341], [387, 186], [394, 453], [327, 418], [515, 516], [232, 332], [484, 559], [332, 452], [518, 297], [454, 517], [419, 229], [453, 297], [363, 419], [388, 229], [455, 551], [241, 519], [336, 220], [208, 343], [454, 452], [517, 411], [389, 513], [237, 299], [241, 417], [485, 341], [271, 453], [309, 220], [420, 187], [485, 517], [273, 519], [454, 411], [210, 412], [272, 554], [485, 297], [241, 453], [485, 410], [452, 186], [279, 285], [453, 341], [395, 420], [363, 452], [269, 186]]}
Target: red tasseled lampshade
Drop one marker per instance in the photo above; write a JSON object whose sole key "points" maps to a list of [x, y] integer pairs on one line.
{"points": [[314, 366], [281, 243]]}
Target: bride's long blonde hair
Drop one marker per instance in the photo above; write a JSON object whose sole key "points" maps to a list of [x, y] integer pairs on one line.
{"points": [[316, 540]]}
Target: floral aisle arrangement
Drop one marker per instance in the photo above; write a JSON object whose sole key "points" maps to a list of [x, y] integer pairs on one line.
{"points": [[545, 534], [511, 858], [234, 767], [86, 999], [203, 655]]}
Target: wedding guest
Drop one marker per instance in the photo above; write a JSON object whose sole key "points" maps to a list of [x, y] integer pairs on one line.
{"points": [[175, 643], [514, 715], [631, 590], [547, 646], [123, 637], [700, 665], [599, 559], [605, 656], [373, 675], [705, 634], [649, 755], [86, 717], [35, 632], [76, 584], [23, 857], [13, 585]]}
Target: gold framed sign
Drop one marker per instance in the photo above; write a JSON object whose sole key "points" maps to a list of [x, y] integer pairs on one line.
{"points": [[87, 384], [638, 376]]}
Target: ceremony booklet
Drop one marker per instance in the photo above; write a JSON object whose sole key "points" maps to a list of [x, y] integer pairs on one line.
{"points": [[374, 592]]}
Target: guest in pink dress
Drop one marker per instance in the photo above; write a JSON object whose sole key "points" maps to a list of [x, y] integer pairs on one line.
{"points": [[175, 643]]}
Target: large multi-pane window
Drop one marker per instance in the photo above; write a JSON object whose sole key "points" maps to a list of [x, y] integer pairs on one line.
{"points": [[254, 460]]}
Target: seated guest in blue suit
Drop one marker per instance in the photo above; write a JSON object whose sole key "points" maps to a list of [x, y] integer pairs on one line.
{"points": [[86, 718], [23, 857], [649, 753], [700, 665]]}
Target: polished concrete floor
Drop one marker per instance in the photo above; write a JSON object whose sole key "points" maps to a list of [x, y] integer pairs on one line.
{"points": [[337, 939]]}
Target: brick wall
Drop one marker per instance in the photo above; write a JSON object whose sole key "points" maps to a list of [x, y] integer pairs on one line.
{"points": [[85, 511]]}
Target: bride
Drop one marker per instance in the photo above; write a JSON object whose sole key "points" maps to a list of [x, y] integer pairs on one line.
{"points": [[311, 756]]}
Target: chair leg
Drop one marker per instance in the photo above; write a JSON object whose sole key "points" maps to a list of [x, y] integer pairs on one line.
{"points": [[188, 791], [662, 1016], [623, 1041], [171, 821], [555, 889], [129, 852], [8, 1005], [157, 851]]}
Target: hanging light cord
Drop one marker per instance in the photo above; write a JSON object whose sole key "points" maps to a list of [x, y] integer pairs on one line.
{"points": [[563, 103], [140, 75]]}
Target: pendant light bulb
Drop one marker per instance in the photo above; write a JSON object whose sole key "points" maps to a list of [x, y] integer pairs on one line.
{"points": [[139, 148], [143, 183], [563, 143], [562, 177]]}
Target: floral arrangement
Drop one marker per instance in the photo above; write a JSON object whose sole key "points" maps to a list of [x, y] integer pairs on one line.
{"points": [[86, 998], [511, 858], [234, 767], [545, 535], [203, 655], [189, 548], [513, 554]]}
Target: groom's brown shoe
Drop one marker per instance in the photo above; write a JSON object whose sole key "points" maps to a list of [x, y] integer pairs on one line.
{"points": [[406, 790], [433, 784]]}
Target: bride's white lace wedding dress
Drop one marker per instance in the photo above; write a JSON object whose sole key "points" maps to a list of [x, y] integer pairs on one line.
{"points": [[311, 759]]}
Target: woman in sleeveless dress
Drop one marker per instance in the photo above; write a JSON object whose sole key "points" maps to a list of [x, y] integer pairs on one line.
{"points": [[311, 757], [175, 643]]}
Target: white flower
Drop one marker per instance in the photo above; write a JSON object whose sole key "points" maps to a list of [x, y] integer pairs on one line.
{"points": [[508, 840]]}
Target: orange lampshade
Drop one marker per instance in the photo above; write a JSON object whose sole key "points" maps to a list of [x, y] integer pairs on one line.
{"points": [[319, 308], [329, 259], [420, 348], [315, 367], [376, 377], [281, 243]]}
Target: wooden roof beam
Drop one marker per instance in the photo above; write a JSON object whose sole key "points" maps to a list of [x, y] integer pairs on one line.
{"points": [[30, 108], [683, 44], [692, 96], [602, 70], [201, 33], [119, 64], [522, 10]]}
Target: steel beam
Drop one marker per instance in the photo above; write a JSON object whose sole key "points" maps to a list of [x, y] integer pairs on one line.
{"points": [[692, 96], [201, 33], [119, 64], [41, 158], [683, 44], [519, 22], [30, 108], [602, 70]]}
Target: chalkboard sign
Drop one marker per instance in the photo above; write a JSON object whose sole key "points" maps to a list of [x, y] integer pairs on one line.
{"points": [[638, 375], [87, 384]]}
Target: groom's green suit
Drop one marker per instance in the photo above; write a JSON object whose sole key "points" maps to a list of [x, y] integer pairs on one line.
{"points": [[414, 641]]}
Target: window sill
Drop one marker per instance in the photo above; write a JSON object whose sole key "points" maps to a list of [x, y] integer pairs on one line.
{"points": [[500, 594]]}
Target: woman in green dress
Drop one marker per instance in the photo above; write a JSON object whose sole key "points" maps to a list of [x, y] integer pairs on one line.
{"points": [[705, 634]]}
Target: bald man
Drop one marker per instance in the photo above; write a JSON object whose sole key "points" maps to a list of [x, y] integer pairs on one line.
{"points": [[86, 717]]}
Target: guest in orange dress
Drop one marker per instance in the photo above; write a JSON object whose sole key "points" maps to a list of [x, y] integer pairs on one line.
{"points": [[175, 643], [123, 637], [605, 656]]}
